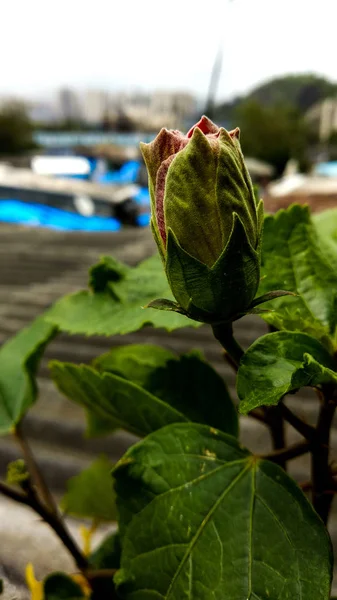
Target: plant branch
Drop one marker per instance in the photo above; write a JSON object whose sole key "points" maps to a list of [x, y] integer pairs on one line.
{"points": [[284, 454], [13, 494], [322, 480], [224, 334], [297, 423], [31, 499], [35, 471], [274, 419]]}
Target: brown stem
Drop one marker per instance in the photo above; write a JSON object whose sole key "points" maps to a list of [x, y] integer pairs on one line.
{"points": [[230, 361], [284, 454], [100, 574], [10, 492], [321, 470], [35, 471], [258, 414], [30, 498], [276, 426], [297, 423]]}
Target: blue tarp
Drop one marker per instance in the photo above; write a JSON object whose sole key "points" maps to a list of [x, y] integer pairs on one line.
{"points": [[128, 173], [327, 169], [39, 215]]}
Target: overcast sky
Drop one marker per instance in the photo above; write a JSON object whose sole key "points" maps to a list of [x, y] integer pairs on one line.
{"points": [[151, 44]]}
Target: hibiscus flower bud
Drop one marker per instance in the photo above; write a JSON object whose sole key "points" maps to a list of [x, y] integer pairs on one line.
{"points": [[205, 220]]}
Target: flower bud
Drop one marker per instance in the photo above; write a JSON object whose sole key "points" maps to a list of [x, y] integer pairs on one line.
{"points": [[205, 220]]}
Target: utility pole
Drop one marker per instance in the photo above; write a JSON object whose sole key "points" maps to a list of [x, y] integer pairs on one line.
{"points": [[214, 81]]}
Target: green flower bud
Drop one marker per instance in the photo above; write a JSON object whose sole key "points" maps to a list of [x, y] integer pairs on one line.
{"points": [[205, 220]]}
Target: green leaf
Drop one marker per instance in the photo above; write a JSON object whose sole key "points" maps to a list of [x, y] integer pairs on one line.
{"points": [[294, 259], [107, 270], [202, 519], [108, 554], [187, 383], [59, 586], [117, 306], [19, 360], [326, 227], [281, 362], [17, 472], [90, 494], [110, 396]]}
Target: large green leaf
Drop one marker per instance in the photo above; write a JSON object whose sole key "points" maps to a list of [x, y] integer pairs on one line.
{"points": [[59, 586], [293, 259], [90, 494], [326, 227], [161, 389], [112, 397], [202, 519], [281, 362], [115, 304], [19, 360], [187, 383]]}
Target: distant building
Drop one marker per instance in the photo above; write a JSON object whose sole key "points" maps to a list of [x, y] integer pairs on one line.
{"points": [[68, 105], [95, 106]]}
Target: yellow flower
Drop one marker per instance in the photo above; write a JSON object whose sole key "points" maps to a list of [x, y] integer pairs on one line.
{"points": [[35, 587]]}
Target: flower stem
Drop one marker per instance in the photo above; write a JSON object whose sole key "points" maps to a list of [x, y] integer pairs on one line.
{"points": [[224, 334]]}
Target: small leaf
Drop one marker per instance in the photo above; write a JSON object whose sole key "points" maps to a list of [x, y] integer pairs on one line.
{"points": [[270, 296], [187, 383], [116, 306], [107, 270], [294, 259], [202, 518], [59, 586], [281, 362], [19, 360], [17, 472], [90, 494], [164, 304]]}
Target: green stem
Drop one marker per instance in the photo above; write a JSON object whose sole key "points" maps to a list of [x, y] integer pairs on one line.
{"points": [[224, 334]]}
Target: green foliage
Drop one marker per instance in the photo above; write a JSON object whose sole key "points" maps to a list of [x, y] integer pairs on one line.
{"points": [[90, 494], [273, 134], [293, 259], [161, 389], [17, 472], [16, 130], [199, 516], [299, 91], [187, 383], [115, 305], [202, 518], [279, 363], [19, 360], [59, 586]]}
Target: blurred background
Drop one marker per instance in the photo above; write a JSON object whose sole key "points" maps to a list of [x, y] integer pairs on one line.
{"points": [[82, 84]]}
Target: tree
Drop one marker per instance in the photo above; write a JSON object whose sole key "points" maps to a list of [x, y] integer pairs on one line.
{"points": [[16, 129], [273, 134]]}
